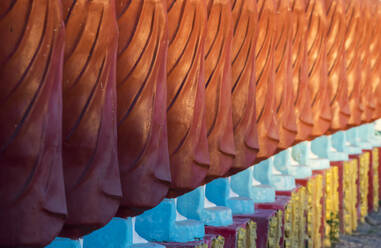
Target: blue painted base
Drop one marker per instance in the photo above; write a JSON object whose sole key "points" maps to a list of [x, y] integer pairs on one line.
{"points": [[303, 155], [217, 216], [283, 182], [262, 194], [149, 245], [337, 156], [186, 230], [116, 234], [241, 205], [243, 184], [299, 171], [64, 243], [218, 192], [324, 148], [159, 225], [353, 137], [318, 163], [264, 173], [284, 163], [362, 137], [191, 205]]}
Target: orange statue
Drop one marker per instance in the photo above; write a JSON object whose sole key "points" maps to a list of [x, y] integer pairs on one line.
{"points": [[337, 78], [317, 66], [265, 75], [32, 191], [301, 92], [90, 154], [218, 76], [187, 132], [375, 59], [284, 95], [353, 32], [142, 100], [367, 42], [243, 83]]}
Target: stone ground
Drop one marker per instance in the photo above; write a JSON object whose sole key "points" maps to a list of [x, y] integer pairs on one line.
{"points": [[367, 235]]}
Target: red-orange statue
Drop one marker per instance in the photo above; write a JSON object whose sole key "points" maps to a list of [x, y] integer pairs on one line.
{"points": [[337, 78], [32, 193], [243, 83], [90, 155], [187, 132], [301, 92], [284, 94], [367, 42], [353, 34], [142, 99], [317, 66], [375, 59], [265, 75], [218, 77]]}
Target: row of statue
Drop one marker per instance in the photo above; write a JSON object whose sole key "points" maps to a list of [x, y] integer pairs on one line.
{"points": [[109, 106]]}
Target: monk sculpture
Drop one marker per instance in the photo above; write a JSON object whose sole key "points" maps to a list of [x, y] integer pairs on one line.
{"points": [[187, 132], [90, 154], [367, 42], [218, 76], [375, 60], [243, 85], [353, 34], [337, 78], [317, 66], [32, 191], [142, 96], [265, 75], [301, 93], [284, 94]]}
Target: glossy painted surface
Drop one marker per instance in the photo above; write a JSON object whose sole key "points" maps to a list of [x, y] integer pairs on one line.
{"points": [[31, 178], [141, 116], [186, 116], [90, 152]]}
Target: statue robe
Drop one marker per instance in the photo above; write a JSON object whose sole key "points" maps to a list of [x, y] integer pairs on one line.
{"points": [[317, 66], [375, 60], [367, 100], [337, 78], [187, 132], [268, 131], [245, 31], [90, 154], [32, 191], [142, 100], [284, 94], [302, 94], [353, 33], [218, 77]]}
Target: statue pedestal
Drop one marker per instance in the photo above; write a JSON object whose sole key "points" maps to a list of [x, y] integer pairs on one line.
{"points": [[303, 154], [161, 224], [245, 185], [220, 193], [285, 163], [340, 143], [371, 134], [266, 174], [359, 136], [65, 243], [119, 232], [194, 205], [323, 148]]}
